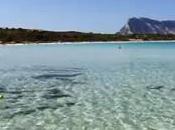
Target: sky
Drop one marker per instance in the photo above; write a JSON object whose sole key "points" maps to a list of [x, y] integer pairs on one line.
{"points": [[102, 16]]}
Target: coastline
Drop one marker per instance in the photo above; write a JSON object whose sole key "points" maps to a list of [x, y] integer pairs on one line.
{"points": [[86, 42]]}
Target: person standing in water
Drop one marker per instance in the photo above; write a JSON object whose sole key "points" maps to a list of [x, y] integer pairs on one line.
{"points": [[119, 47]]}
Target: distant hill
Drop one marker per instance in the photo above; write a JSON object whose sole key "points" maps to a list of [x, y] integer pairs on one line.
{"points": [[19, 35], [148, 26]]}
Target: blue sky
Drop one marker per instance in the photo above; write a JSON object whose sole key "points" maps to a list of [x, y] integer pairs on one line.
{"points": [[106, 16]]}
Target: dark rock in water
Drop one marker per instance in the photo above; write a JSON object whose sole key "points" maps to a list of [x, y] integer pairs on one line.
{"points": [[55, 93], [26, 112], [77, 83], [44, 107], [14, 92], [155, 87], [173, 89], [54, 106], [23, 112], [19, 91], [2, 88], [56, 76], [69, 104]]}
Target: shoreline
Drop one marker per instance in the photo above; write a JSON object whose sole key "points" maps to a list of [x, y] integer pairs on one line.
{"points": [[86, 42]]}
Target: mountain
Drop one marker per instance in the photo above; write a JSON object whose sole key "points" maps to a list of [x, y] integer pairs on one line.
{"points": [[148, 26]]}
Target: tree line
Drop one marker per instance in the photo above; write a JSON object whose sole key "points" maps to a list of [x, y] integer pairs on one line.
{"points": [[19, 35]]}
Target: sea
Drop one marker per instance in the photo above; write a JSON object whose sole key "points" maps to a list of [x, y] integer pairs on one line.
{"points": [[92, 86]]}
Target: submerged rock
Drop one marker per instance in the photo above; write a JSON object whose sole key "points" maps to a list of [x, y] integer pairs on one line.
{"points": [[173, 89], [48, 106], [2, 88], [69, 104], [156, 87], [54, 93], [56, 76], [26, 112]]}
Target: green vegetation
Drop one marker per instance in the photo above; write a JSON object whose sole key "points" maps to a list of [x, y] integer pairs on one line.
{"points": [[1, 97], [20, 35]]}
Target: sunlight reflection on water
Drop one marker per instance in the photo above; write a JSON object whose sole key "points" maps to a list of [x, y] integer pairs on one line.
{"points": [[88, 87]]}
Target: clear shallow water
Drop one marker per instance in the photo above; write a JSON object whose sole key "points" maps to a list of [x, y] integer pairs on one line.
{"points": [[88, 87]]}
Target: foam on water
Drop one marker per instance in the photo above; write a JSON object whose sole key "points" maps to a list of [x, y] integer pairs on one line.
{"points": [[87, 87]]}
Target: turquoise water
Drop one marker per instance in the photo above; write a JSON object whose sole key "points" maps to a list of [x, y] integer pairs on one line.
{"points": [[88, 87]]}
